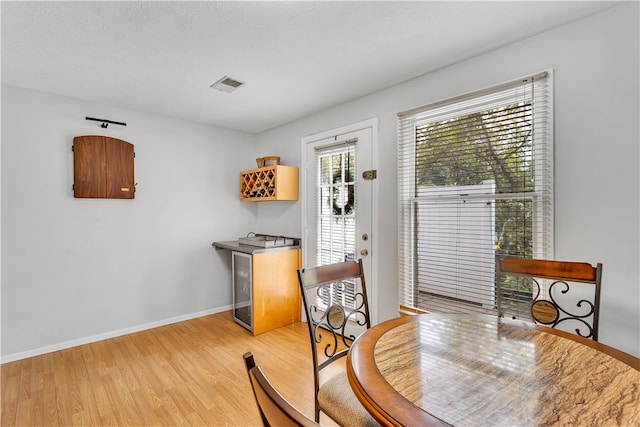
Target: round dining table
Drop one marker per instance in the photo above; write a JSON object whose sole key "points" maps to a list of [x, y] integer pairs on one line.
{"points": [[482, 370]]}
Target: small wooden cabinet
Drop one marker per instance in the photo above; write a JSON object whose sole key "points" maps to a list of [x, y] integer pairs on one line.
{"points": [[266, 294], [269, 183], [102, 168]]}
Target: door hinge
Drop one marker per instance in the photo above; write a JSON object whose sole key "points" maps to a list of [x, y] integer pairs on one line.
{"points": [[370, 174]]}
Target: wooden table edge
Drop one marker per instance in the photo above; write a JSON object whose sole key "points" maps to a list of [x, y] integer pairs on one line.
{"points": [[405, 413]]}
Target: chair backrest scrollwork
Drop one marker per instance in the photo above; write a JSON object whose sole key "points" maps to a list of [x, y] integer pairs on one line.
{"points": [[551, 285]]}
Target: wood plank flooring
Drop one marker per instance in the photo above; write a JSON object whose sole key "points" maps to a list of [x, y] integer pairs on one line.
{"points": [[189, 373]]}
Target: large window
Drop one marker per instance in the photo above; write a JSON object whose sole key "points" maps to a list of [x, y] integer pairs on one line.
{"points": [[474, 182]]}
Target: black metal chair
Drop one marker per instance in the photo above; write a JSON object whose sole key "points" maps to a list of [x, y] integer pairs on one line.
{"points": [[337, 311], [552, 293], [274, 409]]}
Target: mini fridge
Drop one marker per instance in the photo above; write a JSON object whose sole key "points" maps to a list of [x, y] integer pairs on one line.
{"points": [[242, 284]]}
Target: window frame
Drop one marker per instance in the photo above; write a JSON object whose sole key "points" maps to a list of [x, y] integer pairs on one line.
{"points": [[542, 100]]}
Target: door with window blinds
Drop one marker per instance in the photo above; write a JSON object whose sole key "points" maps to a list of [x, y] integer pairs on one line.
{"points": [[474, 183], [338, 199]]}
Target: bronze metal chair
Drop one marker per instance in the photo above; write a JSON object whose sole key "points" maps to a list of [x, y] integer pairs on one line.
{"points": [[548, 290], [274, 409], [337, 311]]}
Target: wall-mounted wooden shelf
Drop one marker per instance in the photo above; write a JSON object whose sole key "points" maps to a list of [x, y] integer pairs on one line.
{"points": [[269, 183]]}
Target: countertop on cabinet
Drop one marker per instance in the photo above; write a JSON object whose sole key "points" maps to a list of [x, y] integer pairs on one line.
{"points": [[236, 246]]}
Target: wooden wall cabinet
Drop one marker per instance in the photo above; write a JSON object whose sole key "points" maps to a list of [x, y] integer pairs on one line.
{"points": [[102, 168], [269, 183]]}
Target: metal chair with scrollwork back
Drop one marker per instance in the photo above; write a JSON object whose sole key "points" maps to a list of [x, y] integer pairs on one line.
{"points": [[337, 311], [559, 294]]}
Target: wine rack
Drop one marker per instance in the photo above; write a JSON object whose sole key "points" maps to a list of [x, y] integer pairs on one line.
{"points": [[269, 183]]}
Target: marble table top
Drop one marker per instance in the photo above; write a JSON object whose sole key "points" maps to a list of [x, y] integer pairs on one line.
{"points": [[472, 370]]}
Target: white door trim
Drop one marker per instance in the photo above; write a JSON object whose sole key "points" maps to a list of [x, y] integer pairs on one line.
{"points": [[371, 276]]}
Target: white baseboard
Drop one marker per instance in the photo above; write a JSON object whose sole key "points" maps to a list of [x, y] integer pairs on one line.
{"points": [[87, 340]]}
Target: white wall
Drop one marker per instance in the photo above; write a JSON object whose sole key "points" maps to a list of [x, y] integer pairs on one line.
{"points": [[597, 185], [75, 270]]}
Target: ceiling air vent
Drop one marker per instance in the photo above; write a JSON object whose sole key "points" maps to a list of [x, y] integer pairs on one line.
{"points": [[227, 84]]}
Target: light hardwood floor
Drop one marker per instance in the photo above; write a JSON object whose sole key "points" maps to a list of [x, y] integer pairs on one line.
{"points": [[189, 373]]}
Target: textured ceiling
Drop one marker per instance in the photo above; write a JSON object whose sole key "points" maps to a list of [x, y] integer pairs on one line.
{"points": [[297, 58]]}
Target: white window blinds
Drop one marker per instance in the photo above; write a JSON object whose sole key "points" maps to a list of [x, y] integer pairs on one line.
{"points": [[336, 202], [474, 182], [336, 212]]}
